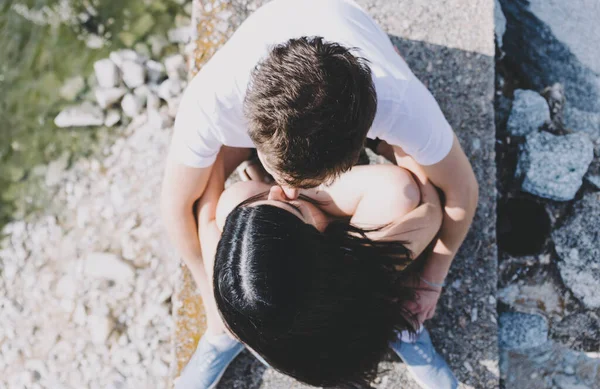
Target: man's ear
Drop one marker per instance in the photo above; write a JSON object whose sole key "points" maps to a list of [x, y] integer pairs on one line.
{"points": [[290, 193]]}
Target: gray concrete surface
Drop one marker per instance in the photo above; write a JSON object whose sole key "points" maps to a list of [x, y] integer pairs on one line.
{"points": [[449, 44]]}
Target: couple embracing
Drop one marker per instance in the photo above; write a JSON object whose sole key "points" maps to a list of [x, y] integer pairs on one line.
{"points": [[317, 264]]}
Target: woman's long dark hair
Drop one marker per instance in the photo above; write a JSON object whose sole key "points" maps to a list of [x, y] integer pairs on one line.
{"points": [[321, 307]]}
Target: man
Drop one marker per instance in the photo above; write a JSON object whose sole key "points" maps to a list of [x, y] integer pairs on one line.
{"points": [[287, 84]]}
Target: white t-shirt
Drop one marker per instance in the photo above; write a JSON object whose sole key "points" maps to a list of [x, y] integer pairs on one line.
{"points": [[211, 110]]}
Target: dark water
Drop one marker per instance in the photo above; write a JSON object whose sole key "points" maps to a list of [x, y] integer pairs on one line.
{"points": [[36, 57]]}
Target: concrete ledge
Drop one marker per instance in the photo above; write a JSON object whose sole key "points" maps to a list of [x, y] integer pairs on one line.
{"points": [[449, 45]]}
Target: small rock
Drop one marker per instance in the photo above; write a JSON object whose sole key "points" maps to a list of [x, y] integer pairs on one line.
{"points": [[188, 8], [553, 166], [120, 56], [66, 287], [127, 37], [176, 67], [180, 34], [156, 71], [173, 104], [499, 23], [107, 97], [81, 115], [113, 116], [142, 49], [520, 330], [153, 101], [474, 315], [100, 328], [529, 112], [142, 91], [106, 73], [157, 45], [132, 105], [56, 169], [109, 266], [134, 73], [94, 41], [468, 366], [72, 88], [142, 25], [182, 20], [116, 196], [170, 88], [159, 118], [576, 243], [594, 180], [544, 297]]}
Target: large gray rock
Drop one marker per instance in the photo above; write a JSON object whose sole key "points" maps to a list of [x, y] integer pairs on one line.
{"points": [[553, 166], [583, 121], [521, 330], [81, 115], [578, 245], [529, 112], [551, 41]]}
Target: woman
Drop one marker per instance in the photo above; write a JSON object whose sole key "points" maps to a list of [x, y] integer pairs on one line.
{"points": [[318, 287]]}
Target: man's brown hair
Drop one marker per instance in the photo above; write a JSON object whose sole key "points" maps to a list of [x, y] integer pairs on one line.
{"points": [[310, 104]]}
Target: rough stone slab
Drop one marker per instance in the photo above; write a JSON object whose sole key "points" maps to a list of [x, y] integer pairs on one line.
{"points": [[550, 41], [529, 112], [449, 45], [522, 330], [553, 166], [550, 366], [576, 243]]}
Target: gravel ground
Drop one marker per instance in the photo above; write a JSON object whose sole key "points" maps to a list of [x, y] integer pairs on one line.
{"points": [[85, 289]]}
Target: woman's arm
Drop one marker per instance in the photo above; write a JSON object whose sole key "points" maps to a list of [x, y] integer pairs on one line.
{"points": [[418, 227], [385, 195]]}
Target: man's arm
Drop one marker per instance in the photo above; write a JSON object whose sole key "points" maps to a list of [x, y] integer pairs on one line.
{"points": [[181, 187], [455, 177]]}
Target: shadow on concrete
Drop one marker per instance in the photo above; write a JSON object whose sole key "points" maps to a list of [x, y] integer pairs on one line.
{"points": [[541, 59], [464, 329]]}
